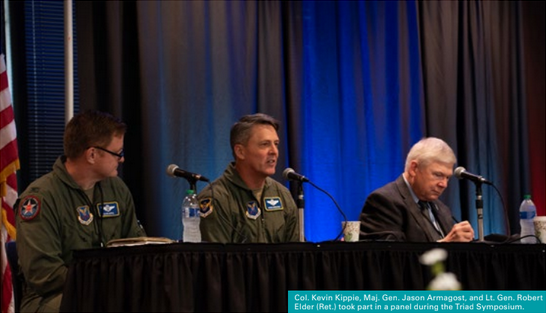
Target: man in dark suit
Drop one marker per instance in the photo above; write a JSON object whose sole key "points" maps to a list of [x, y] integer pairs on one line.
{"points": [[408, 208]]}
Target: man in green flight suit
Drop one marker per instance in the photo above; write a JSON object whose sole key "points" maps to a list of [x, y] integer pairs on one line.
{"points": [[81, 204], [245, 204]]}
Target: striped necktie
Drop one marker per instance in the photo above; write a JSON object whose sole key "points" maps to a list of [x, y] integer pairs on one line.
{"points": [[428, 207]]}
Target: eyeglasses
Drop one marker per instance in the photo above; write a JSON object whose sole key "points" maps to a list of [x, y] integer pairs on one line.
{"points": [[119, 155]]}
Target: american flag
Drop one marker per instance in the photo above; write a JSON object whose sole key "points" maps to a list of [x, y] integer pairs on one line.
{"points": [[9, 164]]}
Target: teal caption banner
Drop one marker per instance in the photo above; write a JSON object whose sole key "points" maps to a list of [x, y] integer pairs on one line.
{"points": [[418, 301]]}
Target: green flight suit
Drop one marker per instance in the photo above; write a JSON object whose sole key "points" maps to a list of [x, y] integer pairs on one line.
{"points": [[236, 216], [54, 216]]}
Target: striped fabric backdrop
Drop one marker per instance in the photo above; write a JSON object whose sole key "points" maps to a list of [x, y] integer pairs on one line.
{"points": [[9, 164]]}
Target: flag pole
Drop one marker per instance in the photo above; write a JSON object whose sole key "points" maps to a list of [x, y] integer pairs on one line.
{"points": [[69, 61]]}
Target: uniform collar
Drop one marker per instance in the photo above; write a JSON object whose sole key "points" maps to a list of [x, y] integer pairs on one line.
{"points": [[59, 169], [233, 176]]}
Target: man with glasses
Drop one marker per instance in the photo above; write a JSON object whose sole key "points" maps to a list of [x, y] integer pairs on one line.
{"points": [[408, 209], [81, 204]]}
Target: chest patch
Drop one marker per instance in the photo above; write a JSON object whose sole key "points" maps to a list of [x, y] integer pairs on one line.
{"points": [[29, 208], [84, 216], [273, 204], [253, 210], [205, 207], [109, 209]]}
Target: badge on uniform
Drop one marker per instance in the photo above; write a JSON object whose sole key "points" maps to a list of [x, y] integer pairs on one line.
{"points": [[84, 216], [253, 210], [29, 208], [273, 204], [108, 209], [205, 207]]}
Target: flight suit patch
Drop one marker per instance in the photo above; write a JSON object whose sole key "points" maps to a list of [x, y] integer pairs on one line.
{"points": [[29, 208], [109, 209], [273, 204], [205, 207], [253, 210], [84, 216]]}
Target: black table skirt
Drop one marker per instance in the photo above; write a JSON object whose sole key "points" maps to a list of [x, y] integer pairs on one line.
{"points": [[211, 277]]}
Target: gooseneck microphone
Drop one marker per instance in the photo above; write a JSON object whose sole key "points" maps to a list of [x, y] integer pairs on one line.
{"points": [[290, 174], [174, 171], [460, 173]]}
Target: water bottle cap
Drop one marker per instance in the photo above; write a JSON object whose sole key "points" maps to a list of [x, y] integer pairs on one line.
{"points": [[527, 197], [189, 192]]}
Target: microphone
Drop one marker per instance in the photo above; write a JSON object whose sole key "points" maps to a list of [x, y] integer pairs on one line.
{"points": [[174, 171], [290, 174], [461, 173]]}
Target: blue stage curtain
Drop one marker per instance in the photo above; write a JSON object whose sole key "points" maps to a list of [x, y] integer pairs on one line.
{"points": [[354, 83], [362, 104]]}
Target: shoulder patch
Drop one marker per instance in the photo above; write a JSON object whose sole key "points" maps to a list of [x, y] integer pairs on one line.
{"points": [[29, 208], [253, 210], [273, 204], [205, 207], [108, 209], [84, 216]]}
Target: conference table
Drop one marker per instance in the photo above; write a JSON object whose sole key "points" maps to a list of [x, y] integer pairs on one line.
{"points": [[212, 277]]}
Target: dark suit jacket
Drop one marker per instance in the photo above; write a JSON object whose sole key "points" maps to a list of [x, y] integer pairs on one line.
{"points": [[391, 209]]}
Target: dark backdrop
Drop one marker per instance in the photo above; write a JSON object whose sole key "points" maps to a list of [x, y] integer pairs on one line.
{"points": [[354, 84]]}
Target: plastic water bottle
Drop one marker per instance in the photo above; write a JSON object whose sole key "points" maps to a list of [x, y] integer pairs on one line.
{"points": [[190, 218], [527, 211]]}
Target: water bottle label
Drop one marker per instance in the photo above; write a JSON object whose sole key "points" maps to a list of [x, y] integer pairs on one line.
{"points": [[525, 215], [194, 212]]}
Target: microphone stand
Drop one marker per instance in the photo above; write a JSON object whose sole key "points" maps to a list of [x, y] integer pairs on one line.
{"points": [[301, 205], [193, 184], [479, 208]]}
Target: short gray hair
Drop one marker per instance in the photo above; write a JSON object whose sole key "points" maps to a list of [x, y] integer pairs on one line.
{"points": [[241, 130], [429, 150]]}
